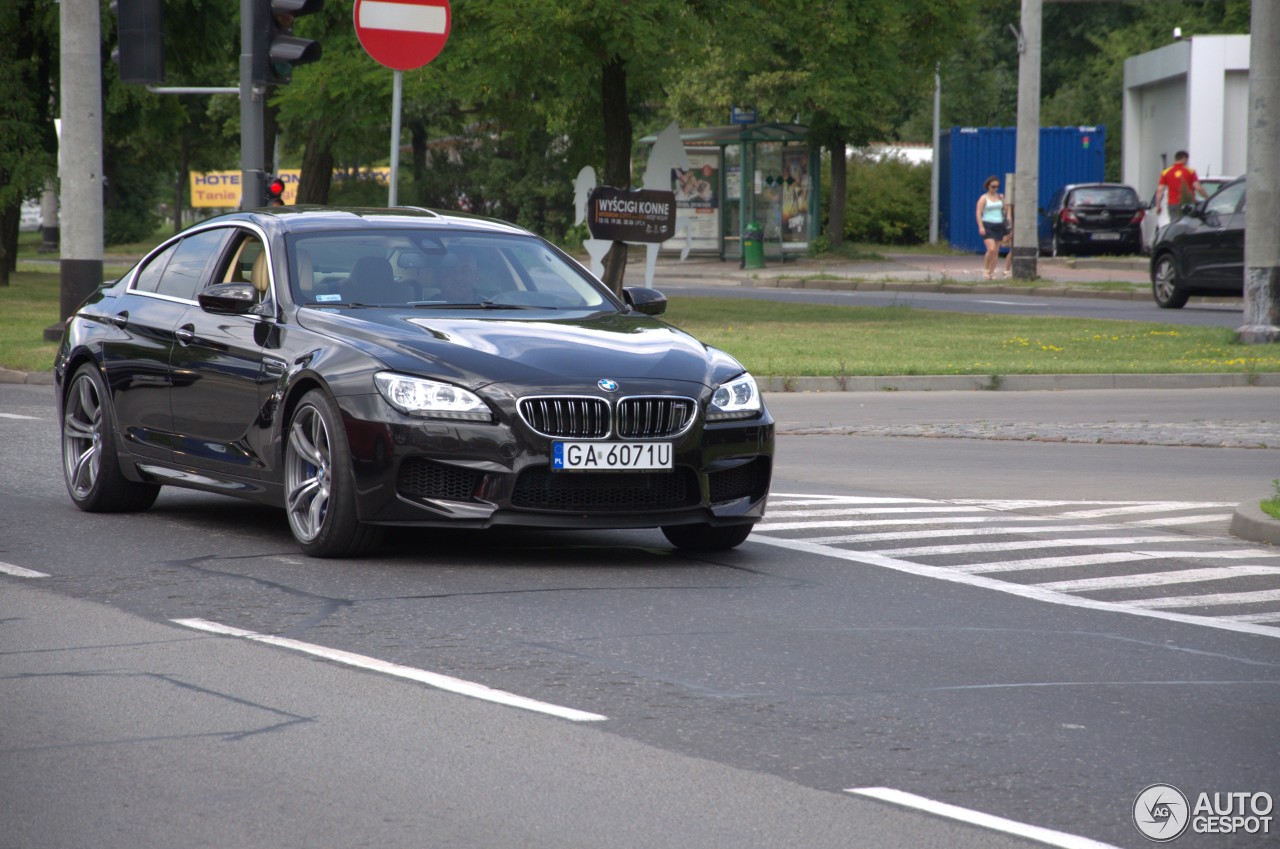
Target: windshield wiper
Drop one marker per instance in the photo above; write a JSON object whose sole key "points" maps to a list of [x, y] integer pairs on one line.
{"points": [[482, 305]]}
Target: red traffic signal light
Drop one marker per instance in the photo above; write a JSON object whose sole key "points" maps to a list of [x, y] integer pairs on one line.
{"points": [[275, 192]]}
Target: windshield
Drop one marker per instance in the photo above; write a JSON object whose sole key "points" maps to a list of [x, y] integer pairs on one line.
{"points": [[431, 269]]}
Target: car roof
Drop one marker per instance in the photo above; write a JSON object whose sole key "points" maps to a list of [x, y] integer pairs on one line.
{"points": [[304, 219]]}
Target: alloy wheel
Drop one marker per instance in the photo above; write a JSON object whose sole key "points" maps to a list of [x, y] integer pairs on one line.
{"points": [[82, 437], [308, 473]]}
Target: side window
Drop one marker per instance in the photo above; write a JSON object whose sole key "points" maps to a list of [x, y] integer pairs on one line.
{"points": [[186, 270], [149, 277], [1226, 201]]}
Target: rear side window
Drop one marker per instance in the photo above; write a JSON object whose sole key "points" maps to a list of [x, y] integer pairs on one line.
{"points": [[149, 277], [185, 271]]}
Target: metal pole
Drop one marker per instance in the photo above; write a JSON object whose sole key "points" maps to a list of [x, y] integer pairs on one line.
{"points": [[397, 87], [80, 155], [934, 175], [253, 177], [1025, 242], [1262, 208]]}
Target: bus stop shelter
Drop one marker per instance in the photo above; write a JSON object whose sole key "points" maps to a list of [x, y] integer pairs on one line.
{"points": [[765, 174]]}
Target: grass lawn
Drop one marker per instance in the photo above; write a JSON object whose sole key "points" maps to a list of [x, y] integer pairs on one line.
{"points": [[799, 340]]}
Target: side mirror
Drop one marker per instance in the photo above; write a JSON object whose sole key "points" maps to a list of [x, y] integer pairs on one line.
{"points": [[228, 298], [647, 301]]}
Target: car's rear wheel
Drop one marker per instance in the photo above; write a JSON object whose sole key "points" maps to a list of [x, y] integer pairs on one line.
{"points": [[1164, 284], [704, 537], [320, 496], [90, 464]]}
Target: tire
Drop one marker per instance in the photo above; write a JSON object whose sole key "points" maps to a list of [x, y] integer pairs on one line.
{"points": [[320, 494], [1055, 248], [704, 537], [1164, 284], [90, 462]]}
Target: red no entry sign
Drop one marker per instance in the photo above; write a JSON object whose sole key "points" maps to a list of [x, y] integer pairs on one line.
{"points": [[402, 34]]}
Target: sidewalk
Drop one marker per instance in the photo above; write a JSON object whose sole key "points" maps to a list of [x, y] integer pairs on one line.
{"points": [[1126, 278]]}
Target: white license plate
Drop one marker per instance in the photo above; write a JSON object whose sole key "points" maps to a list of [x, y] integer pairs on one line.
{"points": [[609, 456], [1105, 237]]}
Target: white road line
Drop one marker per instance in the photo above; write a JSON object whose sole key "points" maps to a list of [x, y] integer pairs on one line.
{"points": [[874, 523], [1152, 507], [431, 679], [1027, 591], [1204, 600], [972, 817], [1110, 557], [975, 547], [19, 572], [1050, 562], [990, 530], [884, 511], [16, 416], [1167, 521], [1159, 579], [1273, 616]]}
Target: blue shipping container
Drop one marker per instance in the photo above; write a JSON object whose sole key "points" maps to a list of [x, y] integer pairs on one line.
{"points": [[969, 155]]}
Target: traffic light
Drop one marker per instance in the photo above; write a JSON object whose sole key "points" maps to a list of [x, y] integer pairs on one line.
{"points": [[275, 192], [140, 35], [276, 51]]}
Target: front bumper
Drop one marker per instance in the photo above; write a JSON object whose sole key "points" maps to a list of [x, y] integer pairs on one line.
{"points": [[465, 474]]}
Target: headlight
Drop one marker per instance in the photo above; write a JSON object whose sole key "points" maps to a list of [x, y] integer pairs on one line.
{"points": [[416, 396], [737, 399]]}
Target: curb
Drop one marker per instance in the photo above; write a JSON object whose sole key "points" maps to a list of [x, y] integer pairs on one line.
{"points": [[1249, 522], [35, 378]]}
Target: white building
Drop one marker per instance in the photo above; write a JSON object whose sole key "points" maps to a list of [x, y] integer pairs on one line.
{"points": [[1190, 95]]}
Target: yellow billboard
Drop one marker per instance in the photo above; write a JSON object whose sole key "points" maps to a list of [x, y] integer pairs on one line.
{"points": [[221, 189]]}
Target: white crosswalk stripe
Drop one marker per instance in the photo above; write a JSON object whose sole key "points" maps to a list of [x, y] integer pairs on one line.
{"points": [[1144, 550]]}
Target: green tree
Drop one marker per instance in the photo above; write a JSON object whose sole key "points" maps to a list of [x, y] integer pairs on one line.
{"points": [[589, 71], [845, 67], [28, 146]]}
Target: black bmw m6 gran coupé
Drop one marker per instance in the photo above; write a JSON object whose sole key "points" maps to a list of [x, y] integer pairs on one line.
{"points": [[364, 368]]}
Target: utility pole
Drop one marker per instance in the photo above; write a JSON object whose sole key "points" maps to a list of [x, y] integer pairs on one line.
{"points": [[1262, 205], [1027, 191], [253, 154], [935, 172], [80, 155]]}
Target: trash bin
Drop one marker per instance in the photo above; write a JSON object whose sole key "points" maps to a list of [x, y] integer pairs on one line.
{"points": [[752, 246]]}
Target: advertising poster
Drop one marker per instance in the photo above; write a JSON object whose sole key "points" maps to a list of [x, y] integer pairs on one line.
{"points": [[795, 194], [697, 191]]}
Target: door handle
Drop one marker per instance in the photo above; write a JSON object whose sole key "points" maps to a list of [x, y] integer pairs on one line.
{"points": [[185, 334], [120, 319]]}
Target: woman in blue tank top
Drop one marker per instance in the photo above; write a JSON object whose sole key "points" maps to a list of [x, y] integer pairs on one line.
{"points": [[991, 225]]}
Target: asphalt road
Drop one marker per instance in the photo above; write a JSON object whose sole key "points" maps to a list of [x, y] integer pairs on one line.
{"points": [[727, 700]]}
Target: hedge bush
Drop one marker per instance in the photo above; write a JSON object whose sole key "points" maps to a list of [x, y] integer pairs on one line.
{"points": [[888, 201]]}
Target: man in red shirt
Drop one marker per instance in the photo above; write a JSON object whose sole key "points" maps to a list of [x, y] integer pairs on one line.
{"points": [[1179, 184]]}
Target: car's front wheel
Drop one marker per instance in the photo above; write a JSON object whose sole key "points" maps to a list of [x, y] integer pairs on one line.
{"points": [[704, 537], [1164, 284], [90, 465], [320, 496]]}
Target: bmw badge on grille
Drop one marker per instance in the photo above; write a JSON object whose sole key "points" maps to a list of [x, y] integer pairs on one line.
{"points": [[607, 385]]}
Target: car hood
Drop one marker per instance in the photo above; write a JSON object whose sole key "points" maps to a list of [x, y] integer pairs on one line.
{"points": [[542, 347]]}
